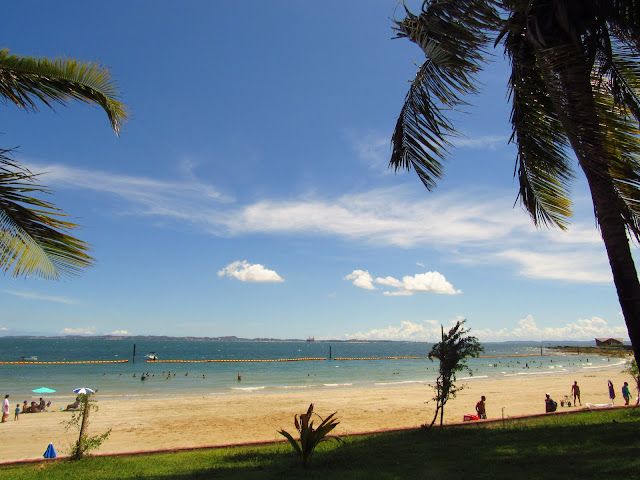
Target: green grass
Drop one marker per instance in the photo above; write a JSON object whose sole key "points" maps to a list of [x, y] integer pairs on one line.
{"points": [[586, 445]]}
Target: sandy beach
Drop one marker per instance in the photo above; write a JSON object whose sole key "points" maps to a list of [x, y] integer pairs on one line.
{"points": [[182, 422]]}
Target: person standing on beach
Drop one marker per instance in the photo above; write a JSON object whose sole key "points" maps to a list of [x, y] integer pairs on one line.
{"points": [[612, 392], [626, 394], [480, 408], [5, 409], [575, 391], [17, 414]]}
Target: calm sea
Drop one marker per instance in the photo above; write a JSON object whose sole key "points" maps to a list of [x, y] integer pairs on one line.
{"points": [[117, 380]]}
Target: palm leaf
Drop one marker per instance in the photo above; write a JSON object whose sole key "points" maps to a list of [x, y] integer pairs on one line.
{"points": [[33, 238], [23, 80], [452, 36]]}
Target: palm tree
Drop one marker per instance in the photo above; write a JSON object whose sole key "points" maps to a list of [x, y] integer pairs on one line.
{"points": [[574, 85], [33, 235]]}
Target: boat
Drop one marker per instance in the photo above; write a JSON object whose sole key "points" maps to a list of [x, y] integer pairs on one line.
{"points": [[151, 356], [311, 339], [32, 358]]}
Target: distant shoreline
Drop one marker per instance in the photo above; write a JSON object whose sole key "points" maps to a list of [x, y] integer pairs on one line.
{"points": [[557, 344]]}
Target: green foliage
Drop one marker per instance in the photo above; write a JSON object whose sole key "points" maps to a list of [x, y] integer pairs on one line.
{"points": [[33, 239], [452, 352], [32, 231], [80, 420], [310, 437]]}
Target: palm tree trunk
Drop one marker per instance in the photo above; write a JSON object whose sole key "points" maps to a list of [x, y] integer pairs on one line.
{"points": [[579, 115], [614, 235]]}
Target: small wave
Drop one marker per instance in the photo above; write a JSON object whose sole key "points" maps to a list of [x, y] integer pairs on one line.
{"points": [[337, 385], [405, 382], [293, 387], [474, 377], [248, 389]]}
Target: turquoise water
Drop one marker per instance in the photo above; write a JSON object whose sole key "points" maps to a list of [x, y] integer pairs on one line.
{"points": [[117, 380]]}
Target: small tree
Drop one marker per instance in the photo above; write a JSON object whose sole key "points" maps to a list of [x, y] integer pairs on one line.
{"points": [[452, 352], [80, 420], [632, 369]]}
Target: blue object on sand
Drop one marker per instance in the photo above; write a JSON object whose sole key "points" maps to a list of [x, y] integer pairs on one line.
{"points": [[51, 452]]}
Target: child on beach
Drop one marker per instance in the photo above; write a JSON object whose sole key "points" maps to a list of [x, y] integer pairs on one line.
{"points": [[575, 391], [626, 394], [15, 417]]}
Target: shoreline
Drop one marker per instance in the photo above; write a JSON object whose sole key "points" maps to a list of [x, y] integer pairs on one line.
{"points": [[193, 421]]}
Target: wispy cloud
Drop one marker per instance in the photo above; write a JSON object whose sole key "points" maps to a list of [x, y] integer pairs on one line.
{"points": [[41, 298], [482, 142], [525, 329], [470, 226], [569, 266], [245, 272]]}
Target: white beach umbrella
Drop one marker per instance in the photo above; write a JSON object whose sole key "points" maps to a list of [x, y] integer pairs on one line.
{"points": [[83, 391]]}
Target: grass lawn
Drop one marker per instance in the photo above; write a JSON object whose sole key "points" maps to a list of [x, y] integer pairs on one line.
{"points": [[585, 445]]}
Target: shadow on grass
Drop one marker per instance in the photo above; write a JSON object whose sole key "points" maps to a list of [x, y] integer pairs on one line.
{"points": [[589, 446]]}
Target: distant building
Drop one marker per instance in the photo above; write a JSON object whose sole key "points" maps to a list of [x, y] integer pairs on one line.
{"points": [[603, 342]]}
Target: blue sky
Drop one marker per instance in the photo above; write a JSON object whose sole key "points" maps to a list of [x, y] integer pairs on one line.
{"points": [[249, 193]]}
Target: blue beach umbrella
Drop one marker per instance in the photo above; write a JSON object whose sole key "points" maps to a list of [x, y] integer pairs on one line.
{"points": [[83, 391], [43, 390]]}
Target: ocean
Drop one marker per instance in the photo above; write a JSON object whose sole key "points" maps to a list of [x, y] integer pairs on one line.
{"points": [[273, 366]]}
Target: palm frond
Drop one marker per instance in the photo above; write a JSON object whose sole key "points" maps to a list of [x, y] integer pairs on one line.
{"points": [[33, 238], [25, 80], [453, 37], [543, 167]]}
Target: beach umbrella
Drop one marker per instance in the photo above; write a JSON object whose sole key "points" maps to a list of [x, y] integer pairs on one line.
{"points": [[83, 391], [50, 452], [43, 390]]}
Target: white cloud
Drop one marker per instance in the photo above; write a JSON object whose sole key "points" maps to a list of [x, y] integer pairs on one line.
{"points": [[470, 226], [433, 282], [79, 331], [526, 330], [245, 272], [361, 279], [582, 329], [120, 332], [571, 266], [43, 298]]}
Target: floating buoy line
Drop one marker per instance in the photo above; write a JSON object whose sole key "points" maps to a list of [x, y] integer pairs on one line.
{"points": [[62, 363], [305, 359], [237, 360]]}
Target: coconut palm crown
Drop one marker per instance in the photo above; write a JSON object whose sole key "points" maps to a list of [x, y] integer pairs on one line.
{"points": [[34, 239], [574, 86]]}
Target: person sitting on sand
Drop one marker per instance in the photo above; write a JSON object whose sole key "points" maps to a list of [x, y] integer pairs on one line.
{"points": [[25, 407], [575, 391], [75, 405], [480, 408], [550, 404]]}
